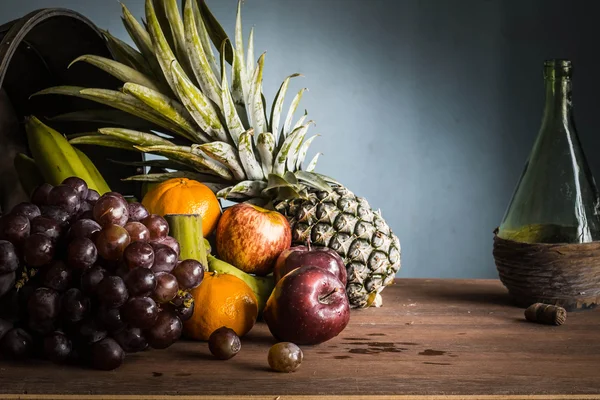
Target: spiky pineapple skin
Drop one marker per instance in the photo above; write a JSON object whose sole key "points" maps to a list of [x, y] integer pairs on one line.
{"points": [[347, 224]]}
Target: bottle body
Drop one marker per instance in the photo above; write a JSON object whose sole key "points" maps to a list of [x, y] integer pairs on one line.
{"points": [[556, 199]]}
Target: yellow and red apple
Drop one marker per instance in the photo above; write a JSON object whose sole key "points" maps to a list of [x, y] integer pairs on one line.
{"points": [[251, 238]]}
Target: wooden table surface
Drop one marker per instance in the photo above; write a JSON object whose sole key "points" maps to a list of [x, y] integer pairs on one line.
{"points": [[432, 338]]}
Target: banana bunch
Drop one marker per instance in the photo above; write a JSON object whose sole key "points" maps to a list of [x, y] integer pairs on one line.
{"points": [[54, 160]]}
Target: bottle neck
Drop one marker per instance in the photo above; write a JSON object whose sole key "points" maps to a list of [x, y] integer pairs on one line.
{"points": [[558, 106]]}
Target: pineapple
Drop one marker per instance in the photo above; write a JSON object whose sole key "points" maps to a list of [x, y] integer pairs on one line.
{"points": [[176, 102]]}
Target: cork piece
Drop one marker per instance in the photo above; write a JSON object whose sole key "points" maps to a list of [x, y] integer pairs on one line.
{"points": [[546, 314]]}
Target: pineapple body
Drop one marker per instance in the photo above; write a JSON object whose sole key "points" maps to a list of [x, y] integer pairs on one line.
{"points": [[347, 224]]}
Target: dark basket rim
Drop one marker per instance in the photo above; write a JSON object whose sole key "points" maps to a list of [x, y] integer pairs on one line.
{"points": [[16, 31]]}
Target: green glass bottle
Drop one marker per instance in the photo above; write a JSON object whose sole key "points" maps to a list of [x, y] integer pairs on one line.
{"points": [[556, 199]]}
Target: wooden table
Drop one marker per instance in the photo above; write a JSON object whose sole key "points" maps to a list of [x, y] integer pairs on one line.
{"points": [[432, 338]]}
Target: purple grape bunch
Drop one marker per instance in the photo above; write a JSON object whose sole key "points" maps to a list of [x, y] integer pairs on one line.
{"points": [[87, 278]]}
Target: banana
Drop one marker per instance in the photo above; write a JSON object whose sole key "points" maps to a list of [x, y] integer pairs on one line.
{"points": [[98, 179], [55, 157], [262, 286], [28, 172]]}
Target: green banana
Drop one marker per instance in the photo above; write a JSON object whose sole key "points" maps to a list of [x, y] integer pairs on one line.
{"points": [[28, 172], [98, 180], [56, 158], [262, 286]]}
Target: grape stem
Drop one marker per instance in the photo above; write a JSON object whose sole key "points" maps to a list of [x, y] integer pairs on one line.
{"points": [[26, 275]]}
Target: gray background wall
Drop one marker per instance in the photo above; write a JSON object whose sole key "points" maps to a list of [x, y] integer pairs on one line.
{"points": [[428, 108]]}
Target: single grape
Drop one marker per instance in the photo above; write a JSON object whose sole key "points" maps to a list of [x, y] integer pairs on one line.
{"points": [[57, 347], [44, 304], [137, 211], [189, 274], [9, 261], [111, 210], [16, 344], [28, 210], [140, 312], [224, 343], [285, 357], [140, 281], [81, 253], [65, 197], [137, 231], [92, 196], [40, 194], [57, 276], [14, 228], [131, 339], [57, 214], [165, 259], [79, 185], [139, 255], [183, 305], [7, 281], [91, 278], [90, 332], [38, 250], [47, 227], [165, 331], [74, 305], [166, 287], [110, 319], [158, 226], [107, 355], [168, 241], [112, 241], [84, 228], [112, 292]]}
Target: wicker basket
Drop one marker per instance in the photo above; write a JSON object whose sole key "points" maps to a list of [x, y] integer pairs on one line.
{"points": [[563, 274]]}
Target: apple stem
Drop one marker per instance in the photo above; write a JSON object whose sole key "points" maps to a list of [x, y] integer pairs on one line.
{"points": [[324, 298], [308, 243]]}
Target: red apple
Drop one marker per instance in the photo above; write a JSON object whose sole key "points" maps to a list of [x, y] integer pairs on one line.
{"points": [[298, 256], [251, 238], [307, 306]]}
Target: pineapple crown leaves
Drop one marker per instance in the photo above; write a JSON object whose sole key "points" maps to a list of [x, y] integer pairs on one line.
{"points": [[176, 102]]}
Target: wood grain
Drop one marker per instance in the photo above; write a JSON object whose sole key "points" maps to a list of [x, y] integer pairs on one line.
{"points": [[432, 338]]}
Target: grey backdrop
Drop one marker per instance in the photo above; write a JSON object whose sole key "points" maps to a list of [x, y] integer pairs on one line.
{"points": [[427, 108]]}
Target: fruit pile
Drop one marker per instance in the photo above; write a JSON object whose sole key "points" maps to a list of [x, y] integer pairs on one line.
{"points": [[86, 278]]}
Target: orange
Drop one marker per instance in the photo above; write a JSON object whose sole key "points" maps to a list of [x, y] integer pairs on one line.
{"points": [[184, 196], [221, 300]]}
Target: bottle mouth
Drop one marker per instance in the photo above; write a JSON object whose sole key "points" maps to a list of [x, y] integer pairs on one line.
{"points": [[558, 63], [557, 68]]}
